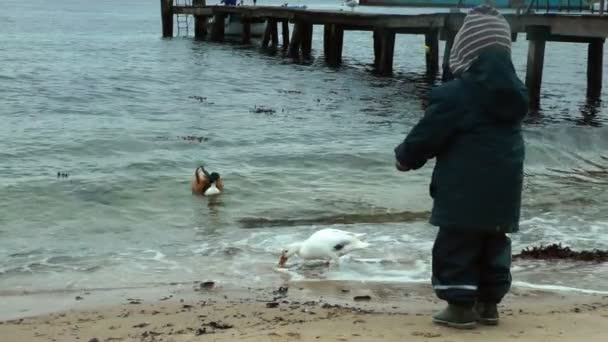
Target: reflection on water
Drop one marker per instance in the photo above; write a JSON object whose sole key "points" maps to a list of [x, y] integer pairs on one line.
{"points": [[589, 112]]}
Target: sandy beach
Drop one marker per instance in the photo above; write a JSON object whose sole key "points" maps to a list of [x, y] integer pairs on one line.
{"points": [[339, 311]]}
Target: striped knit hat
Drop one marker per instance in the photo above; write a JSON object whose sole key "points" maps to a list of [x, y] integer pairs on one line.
{"points": [[483, 27]]}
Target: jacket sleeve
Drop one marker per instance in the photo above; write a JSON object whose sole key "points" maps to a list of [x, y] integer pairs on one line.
{"points": [[431, 134]]}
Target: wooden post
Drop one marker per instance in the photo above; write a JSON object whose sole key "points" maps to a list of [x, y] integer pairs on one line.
{"points": [[200, 27], [327, 33], [431, 42], [377, 45], [333, 39], [534, 71], [267, 33], [271, 34], [446, 74], [217, 30], [200, 22], [296, 41], [285, 33], [166, 13], [246, 37], [338, 44], [274, 33], [307, 40], [595, 63], [387, 49]]}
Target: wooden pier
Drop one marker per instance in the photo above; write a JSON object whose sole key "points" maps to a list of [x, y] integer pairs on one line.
{"points": [[539, 29]]}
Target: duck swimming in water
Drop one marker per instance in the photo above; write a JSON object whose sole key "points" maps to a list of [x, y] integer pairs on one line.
{"points": [[205, 183]]}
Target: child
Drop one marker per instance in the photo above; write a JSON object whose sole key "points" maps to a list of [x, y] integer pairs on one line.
{"points": [[473, 128]]}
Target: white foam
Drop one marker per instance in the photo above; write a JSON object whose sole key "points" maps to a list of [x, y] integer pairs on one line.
{"points": [[158, 256], [203, 247], [392, 278], [537, 219], [385, 238], [365, 260], [558, 288]]}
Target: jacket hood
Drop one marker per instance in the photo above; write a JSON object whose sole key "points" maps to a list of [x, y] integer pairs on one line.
{"points": [[503, 96]]}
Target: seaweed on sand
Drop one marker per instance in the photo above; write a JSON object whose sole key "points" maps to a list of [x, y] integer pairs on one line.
{"points": [[559, 252]]}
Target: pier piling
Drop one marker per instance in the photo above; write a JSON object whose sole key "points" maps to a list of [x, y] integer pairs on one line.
{"points": [[595, 62], [200, 22], [267, 34], [166, 12], [446, 73], [377, 44], [274, 33], [271, 35], [386, 43], [246, 36], [338, 44], [217, 29], [285, 33], [431, 42], [327, 40], [534, 71], [200, 27], [333, 39], [307, 40], [296, 41]]}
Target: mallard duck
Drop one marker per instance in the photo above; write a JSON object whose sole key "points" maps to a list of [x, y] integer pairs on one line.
{"points": [[325, 244], [205, 183]]}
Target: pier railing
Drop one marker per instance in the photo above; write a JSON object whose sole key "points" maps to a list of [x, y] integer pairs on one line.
{"points": [[565, 6]]}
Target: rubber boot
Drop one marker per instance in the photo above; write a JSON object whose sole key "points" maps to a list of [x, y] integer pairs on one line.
{"points": [[487, 313], [457, 316]]}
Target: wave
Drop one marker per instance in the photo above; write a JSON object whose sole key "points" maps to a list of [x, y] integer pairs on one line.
{"points": [[406, 216], [558, 288]]}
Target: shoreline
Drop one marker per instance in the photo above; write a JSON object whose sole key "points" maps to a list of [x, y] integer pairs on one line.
{"points": [[304, 311], [19, 304]]}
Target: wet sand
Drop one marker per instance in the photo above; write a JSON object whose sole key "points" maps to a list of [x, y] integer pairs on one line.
{"points": [[338, 311]]}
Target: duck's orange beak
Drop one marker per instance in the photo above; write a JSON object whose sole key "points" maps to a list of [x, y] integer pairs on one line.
{"points": [[282, 260]]}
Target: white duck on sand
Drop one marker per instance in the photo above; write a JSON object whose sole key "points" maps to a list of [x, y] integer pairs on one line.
{"points": [[325, 244]]}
